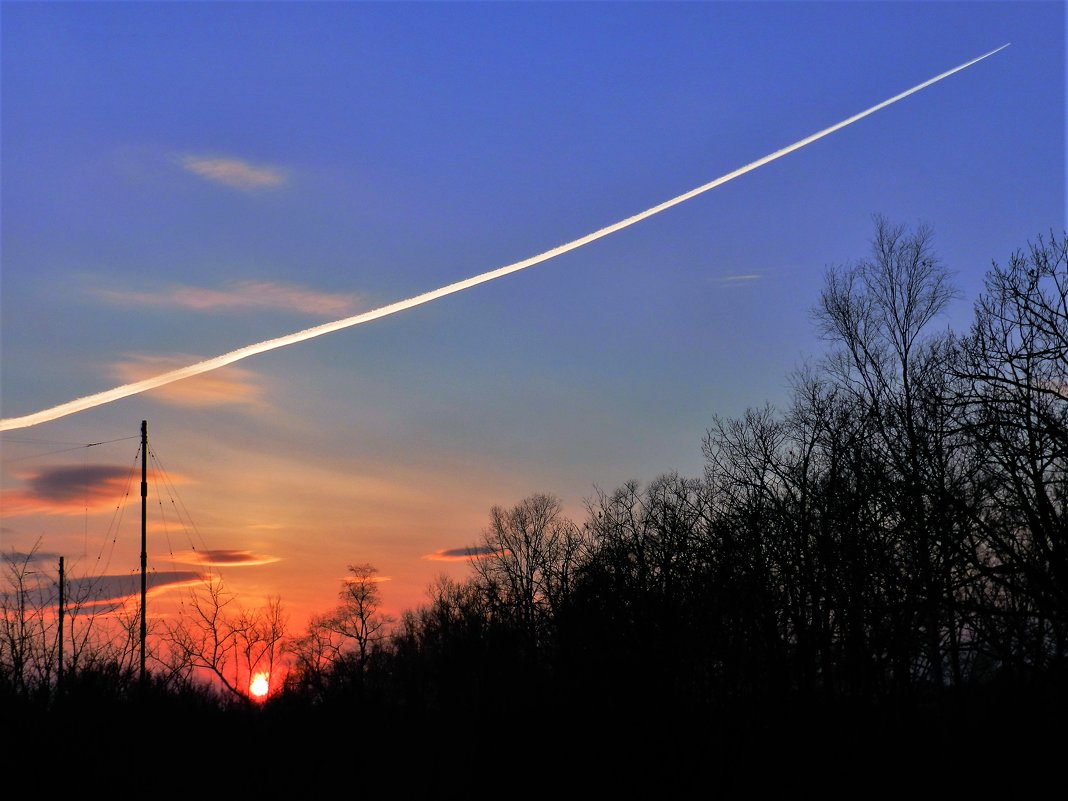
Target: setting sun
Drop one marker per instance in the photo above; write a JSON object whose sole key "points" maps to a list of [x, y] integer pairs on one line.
{"points": [[259, 685]]}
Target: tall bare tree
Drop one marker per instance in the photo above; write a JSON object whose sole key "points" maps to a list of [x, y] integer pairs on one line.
{"points": [[526, 561], [28, 647], [877, 312], [359, 616], [1015, 365]]}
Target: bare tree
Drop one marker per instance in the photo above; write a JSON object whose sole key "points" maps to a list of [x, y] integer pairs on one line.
{"points": [[314, 654], [229, 643], [27, 643], [877, 312], [526, 561], [1015, 367], [359, 617], [100, 637], [263, 638]]}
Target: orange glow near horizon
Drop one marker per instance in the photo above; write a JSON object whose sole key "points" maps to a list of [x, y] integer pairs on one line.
{"points": [[260, 685]]}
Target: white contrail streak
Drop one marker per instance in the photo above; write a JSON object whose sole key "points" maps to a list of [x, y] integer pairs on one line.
{"points": [[107, 396]]}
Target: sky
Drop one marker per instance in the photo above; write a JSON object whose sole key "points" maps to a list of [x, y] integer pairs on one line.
{"points": [[178, 180]]}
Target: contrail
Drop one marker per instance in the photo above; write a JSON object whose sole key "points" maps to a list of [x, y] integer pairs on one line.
{"points": [[107, 396]]}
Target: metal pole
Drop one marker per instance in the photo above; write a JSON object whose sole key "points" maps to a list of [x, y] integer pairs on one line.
{"points": [[144, 541], [62, 604]]}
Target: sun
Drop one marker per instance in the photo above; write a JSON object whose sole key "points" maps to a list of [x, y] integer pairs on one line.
{"points": [[259, 685]]}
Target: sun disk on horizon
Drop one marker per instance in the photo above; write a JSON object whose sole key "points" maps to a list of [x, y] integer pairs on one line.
{"points": [[259, 685]]}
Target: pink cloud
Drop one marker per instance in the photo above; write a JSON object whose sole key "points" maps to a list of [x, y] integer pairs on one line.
{"points": [[224, 558], [375, 579], [253, 295], [229, 385], [235, 173]]}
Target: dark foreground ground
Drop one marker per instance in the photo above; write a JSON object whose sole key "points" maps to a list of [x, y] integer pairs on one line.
{"points": [[1001, 740]]}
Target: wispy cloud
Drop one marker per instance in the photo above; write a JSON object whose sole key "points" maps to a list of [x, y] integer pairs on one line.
{"points": [[461, 554], [235, 173], [729, 280], [239, 295], [23, 557], [376, 579], [73, 489], [112, 589], [104, 593], [68, 490], [223, 558], [235, 385]]}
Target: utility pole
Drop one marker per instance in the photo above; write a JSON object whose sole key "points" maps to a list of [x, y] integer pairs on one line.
{"points": [[144, 542], [62, 606]]}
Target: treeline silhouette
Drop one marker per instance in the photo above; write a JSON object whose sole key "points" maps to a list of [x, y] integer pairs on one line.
{"points": [[873, 578]]}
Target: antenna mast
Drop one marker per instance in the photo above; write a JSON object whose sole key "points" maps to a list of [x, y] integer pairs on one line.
{"points": [[62, 605], [144, 540]]}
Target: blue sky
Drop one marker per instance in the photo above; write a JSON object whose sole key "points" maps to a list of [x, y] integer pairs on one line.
{"points": [[182, 179]]}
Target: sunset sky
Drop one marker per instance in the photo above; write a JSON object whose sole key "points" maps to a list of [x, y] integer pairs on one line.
{"points": [[183, 179]]}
